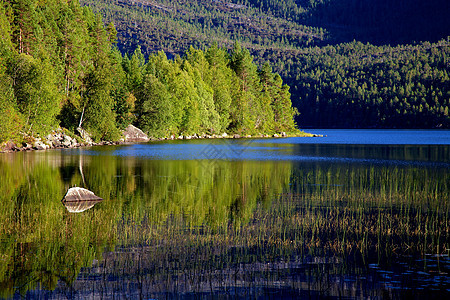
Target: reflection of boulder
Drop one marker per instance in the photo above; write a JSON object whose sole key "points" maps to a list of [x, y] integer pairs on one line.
{"points": [[78, 200], [80, 206]]}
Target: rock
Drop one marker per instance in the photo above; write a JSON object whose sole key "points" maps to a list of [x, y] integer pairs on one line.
{"points": [[56, 143], [67, 141], [8, 146], [236, 136], [275, 135], [224, 134], [39, 145], [85, 136], [134, 134], [283, 134]]}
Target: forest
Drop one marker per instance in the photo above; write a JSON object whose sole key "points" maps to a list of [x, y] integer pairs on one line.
{"points": [[192, 67], [363, 64], [60, 66]]}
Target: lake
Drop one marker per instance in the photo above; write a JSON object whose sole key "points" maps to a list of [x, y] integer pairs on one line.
{"points": [[354, 214]]}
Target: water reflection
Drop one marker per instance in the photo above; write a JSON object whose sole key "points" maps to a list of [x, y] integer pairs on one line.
{"points": [[224, 224], [78, 199], [80, 206]]}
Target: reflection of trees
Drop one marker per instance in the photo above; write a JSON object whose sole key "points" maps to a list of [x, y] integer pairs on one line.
{"points": [[163, 220], [356, 214], [42, 243]]}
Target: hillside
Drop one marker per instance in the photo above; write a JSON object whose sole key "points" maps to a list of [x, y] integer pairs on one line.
{"points": [[173, 26], [335, 55]]}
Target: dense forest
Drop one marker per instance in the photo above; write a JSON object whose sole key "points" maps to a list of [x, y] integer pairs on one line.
{"points": [[185, 67], [358, 85], [336, 55], [59, 66]]}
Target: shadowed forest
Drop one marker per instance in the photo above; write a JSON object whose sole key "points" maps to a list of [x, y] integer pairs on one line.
{"points": [[350, 64]]}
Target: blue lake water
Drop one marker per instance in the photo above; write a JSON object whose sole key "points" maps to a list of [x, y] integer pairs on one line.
{"points": [[353, 214], [380, 137], [357, 146]]}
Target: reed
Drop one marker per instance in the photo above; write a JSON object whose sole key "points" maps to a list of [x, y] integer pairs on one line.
{"points": [[177, 226]]}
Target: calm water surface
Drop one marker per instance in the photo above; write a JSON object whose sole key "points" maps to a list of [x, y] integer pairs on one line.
{"points": [[355, 214]]}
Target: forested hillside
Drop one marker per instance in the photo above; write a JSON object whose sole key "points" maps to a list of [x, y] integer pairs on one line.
{"points": [[335, 54], [59, 67], [358, 85]]}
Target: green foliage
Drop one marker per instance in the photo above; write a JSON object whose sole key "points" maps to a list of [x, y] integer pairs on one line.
{"points": [[10, 119], [285, 33], [58, 67], [220, 79], [100, 120], [358, 85], [154, 107], [208, 92], [124, 100], [36, 93], [5, 29]]}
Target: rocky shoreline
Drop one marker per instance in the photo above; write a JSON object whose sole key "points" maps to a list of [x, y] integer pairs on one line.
{"points": [[58, 139], [61, 139]]}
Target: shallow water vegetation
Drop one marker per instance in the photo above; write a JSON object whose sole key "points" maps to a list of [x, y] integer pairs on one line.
{"points": [[178, 226]]}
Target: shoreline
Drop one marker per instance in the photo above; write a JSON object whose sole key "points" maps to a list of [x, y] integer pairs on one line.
{"points": [[61, 140]]}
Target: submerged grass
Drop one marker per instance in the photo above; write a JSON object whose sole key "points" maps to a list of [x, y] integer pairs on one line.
{"points": [[174, 226]]}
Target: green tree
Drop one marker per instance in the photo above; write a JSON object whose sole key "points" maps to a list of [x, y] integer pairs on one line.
{"points": [[134, 69], [36, 92], [10, 120], [124, 100], [221, 81], [202, 106], [6, 45], [245, 108], [154, 107], [98, 116]]}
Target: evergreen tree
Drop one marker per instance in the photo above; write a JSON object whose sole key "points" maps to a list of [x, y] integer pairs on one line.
{"points": [[245, 108], [221, 80], [98, 116]]}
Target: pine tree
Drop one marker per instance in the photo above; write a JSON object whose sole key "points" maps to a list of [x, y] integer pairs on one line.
{"points": [[245, 108], [98, 116], [221, 81]]}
